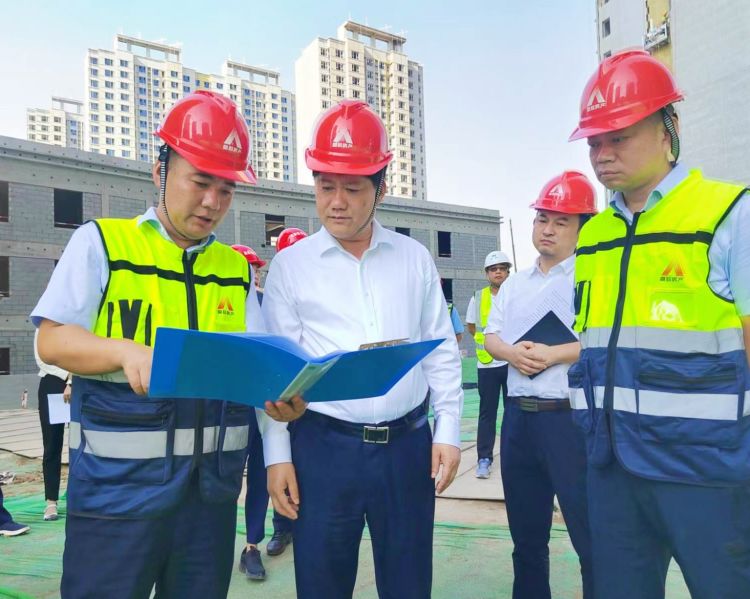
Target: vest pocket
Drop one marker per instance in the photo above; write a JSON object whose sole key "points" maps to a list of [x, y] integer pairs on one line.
{"points": [[581, 296], [693, 400], [125, 441], [581, 395]]}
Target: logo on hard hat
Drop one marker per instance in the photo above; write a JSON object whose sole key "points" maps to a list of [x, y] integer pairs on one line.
{"points": [[557, 192], [232, 143], [596, 100], [343, 138], [225, 307]]}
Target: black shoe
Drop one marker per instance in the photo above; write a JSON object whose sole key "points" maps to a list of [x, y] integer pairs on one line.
{"points": [[251, 564], [278, 543]]}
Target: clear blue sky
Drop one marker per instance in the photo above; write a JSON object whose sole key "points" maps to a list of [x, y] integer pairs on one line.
{"points": [[502, 79]]}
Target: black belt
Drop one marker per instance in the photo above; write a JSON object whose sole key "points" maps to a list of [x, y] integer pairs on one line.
{"points": [[372, 433], [534, 404]]}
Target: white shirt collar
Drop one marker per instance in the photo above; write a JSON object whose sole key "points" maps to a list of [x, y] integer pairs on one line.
{"points": [[327, 242], [152, 218], [566, 267]]}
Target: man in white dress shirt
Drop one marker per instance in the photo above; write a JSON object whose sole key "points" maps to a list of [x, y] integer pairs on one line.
{"points": [[541, 451], [371, 460]]}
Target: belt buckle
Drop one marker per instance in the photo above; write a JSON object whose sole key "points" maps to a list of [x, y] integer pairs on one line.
{"points": [[529, 405], [376, 434]]}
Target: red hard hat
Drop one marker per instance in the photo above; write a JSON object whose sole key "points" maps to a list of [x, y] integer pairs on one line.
{"points": [[349, 139], [626, 88], [249, 254], [208, 131], [289, 237], [570, 193]]}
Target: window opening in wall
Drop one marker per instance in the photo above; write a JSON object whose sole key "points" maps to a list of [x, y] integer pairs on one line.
{"points": [[68, 208], [4, 194], [4, 360], [606, 30], [274, 226], [404, 231], [4, 276], [444, 244], [448, 289]]}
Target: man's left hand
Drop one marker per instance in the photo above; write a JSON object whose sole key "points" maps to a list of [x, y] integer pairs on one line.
{"points": [[445, 461], [286, 411]]}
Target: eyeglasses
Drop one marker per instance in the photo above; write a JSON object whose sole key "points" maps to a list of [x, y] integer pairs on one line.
{"points": [[498, 268]]}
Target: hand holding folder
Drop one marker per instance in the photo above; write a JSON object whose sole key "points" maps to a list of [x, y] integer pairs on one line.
{"points": [[550, 330], [252, 369]]}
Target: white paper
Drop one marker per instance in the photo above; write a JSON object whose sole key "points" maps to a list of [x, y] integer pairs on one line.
{"points": [[59, 411]]}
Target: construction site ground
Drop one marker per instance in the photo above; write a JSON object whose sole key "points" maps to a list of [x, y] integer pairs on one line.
{"points": [[472, 546]]}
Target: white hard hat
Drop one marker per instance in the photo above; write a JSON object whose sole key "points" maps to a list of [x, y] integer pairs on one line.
{"points": [[496, 257]]}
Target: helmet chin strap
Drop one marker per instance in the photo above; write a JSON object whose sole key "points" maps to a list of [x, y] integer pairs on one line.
{"points": [[674, 138], [378, 193], [163, 159]]}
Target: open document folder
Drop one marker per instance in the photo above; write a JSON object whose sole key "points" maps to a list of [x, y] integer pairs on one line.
{"points": [[252, 369]]}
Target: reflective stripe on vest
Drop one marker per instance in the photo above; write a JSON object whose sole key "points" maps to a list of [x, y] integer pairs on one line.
{"points": [[482, 306], [658, 345], [145, 445]]}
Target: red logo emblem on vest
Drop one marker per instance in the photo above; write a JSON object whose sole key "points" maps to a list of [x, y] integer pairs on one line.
{"points": [[225, 307], [673, 273]]}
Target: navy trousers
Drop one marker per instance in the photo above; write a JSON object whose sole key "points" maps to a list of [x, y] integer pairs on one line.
{"points": [[5, 516], [345, 482], [490, 383], [638, 525], [186, 554], [256, 494], [542, 454]]}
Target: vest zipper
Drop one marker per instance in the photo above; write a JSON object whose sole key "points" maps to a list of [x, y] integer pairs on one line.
{"points": [[192, 308], [609, 389]]}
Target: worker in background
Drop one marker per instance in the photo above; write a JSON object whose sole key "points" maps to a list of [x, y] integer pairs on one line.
{"points": [[153, 485], [374, 461], [663, 311], [492, 375], [542, 452], [256, 488]]}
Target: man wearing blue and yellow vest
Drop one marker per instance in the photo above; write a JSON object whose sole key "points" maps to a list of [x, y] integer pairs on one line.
{"points": [[153, 483], [492, 375], [661, 388]]}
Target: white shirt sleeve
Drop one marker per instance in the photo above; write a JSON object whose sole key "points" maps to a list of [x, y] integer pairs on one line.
{"points": [[442, 367], [471, 317], [281, 319], [75, 289]]}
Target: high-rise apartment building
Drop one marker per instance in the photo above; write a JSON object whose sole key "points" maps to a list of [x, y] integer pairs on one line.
{"points": [[704, 45], [367, 64], [61, 125], [131, 87]]}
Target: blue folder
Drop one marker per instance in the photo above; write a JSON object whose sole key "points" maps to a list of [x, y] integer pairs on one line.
{"points": [[252, 369], [549, 330]]}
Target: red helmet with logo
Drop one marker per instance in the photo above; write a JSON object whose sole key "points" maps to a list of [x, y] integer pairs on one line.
{"points": [[626, 88], [289, 237], [250, 255], [208, 131], [349, 139], [570, 193]]}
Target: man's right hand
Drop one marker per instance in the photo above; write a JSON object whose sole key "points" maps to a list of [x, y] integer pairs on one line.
{"points": [[522, 360], [282, 487], [136, 364]]}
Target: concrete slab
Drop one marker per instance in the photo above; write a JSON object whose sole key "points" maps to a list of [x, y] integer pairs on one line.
{"points": [[21, 434], [468, 486]]}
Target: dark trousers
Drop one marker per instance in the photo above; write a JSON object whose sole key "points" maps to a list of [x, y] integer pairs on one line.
{"points": [[52, 437], [187, 553], [256, 494], [5, 516], [490, 381], [638, 525], [542, 454], [345, 482]]}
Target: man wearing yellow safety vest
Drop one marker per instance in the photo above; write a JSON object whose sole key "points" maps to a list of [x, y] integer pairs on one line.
{"points": [[153, 487], [662, 386], [492, 375]]}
